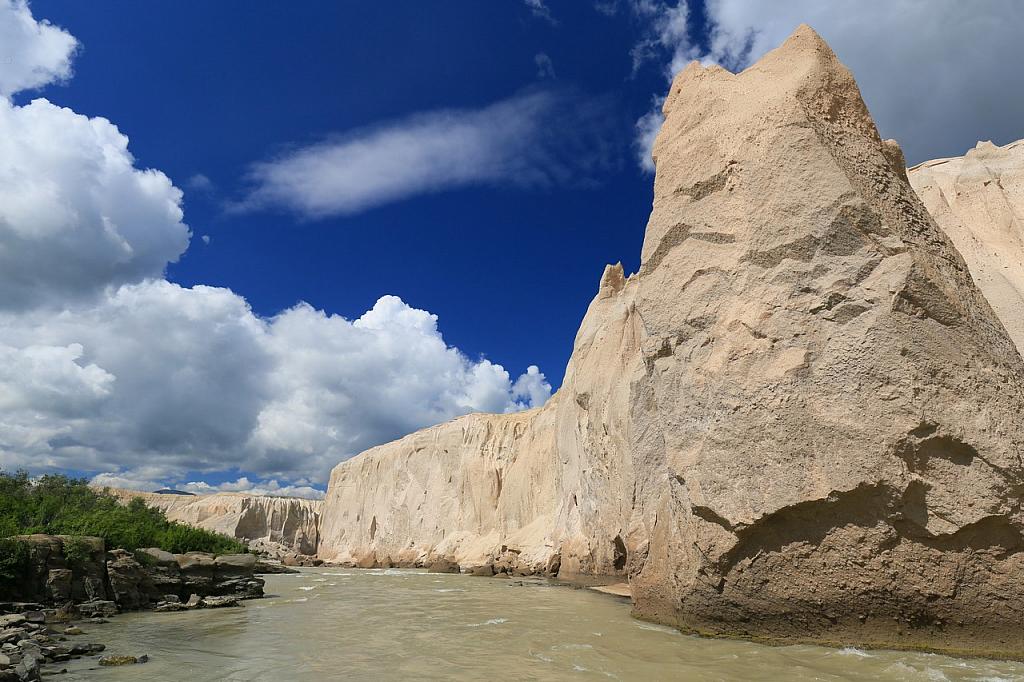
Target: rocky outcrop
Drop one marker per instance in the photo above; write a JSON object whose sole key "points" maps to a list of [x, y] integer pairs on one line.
{"points": [[57, 569], [277, 525], [800, 420], [151, 576], [978, 201]]}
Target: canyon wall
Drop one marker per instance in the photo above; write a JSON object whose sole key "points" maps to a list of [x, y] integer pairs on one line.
{"points": [[799, 421], [978, 200], [544, 490], [272, 523]]}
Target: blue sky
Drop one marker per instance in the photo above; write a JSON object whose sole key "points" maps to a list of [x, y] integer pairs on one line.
{"points": [[210, 88], [475, 164]]}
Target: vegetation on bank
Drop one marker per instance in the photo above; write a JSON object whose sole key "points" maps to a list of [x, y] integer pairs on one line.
{"points": [[59, 505]]}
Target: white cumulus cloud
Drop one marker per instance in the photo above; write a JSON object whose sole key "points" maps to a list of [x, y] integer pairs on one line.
{"points": [[342, 386], [32, 53], [244, 485], [531, 389], [76, 215], [189, 379]]}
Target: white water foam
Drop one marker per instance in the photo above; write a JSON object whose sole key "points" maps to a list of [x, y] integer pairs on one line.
{"points": [[658, 628], [492, 621]]}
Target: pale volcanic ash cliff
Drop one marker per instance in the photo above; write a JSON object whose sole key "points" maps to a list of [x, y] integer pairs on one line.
{"points": [[539, 491], [978, 200], [800, 420], [278, 524]]}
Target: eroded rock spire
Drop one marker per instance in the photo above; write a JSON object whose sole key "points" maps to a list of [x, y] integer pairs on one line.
{"points": [[799, 421]]}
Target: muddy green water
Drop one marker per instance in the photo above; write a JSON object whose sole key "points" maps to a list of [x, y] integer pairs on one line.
{"points": [[336, 624]]}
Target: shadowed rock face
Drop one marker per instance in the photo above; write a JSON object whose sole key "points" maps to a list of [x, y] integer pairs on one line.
{"points": [[799, 421], [288, 522], [50, 577], [978, 200]]}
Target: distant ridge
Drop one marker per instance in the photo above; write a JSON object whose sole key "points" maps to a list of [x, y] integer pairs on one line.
{"points": [[277, 524]]}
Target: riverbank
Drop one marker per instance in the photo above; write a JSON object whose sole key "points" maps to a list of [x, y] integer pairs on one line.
{"points": [[29, 641], [53, 581], [36, 640], [377, 624]]}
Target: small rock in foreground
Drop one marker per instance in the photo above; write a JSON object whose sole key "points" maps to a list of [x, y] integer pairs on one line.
{"points": [[123, 660], [220, 602], [443, 566]]}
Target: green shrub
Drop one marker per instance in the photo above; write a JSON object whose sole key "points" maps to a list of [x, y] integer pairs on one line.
{"points": [[59, 505], [76, 552], [13, 563]]}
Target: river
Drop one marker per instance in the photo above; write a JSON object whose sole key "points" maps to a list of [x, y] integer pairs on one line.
{"points": [[339, 624]]}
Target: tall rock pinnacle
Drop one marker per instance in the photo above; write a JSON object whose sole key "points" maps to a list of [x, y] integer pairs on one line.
{"points": [[799, 421], [833, 405]]}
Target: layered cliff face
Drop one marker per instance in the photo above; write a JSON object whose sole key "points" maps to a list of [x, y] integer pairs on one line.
{"points": [[539, 490], [978, 200], [288, 522], [799, 421]]}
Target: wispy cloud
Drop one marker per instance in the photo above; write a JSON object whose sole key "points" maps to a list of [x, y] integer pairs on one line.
{"points": [[200, 183], [545, 67], [540, 10], [647, 127], [664, 33], [539, 138]]}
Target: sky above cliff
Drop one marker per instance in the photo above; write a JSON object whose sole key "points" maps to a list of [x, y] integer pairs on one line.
{"points": [[242, 242]]}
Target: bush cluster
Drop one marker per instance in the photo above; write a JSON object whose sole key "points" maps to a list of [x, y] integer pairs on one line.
{"points": [[59, 505], [13, 562]]}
